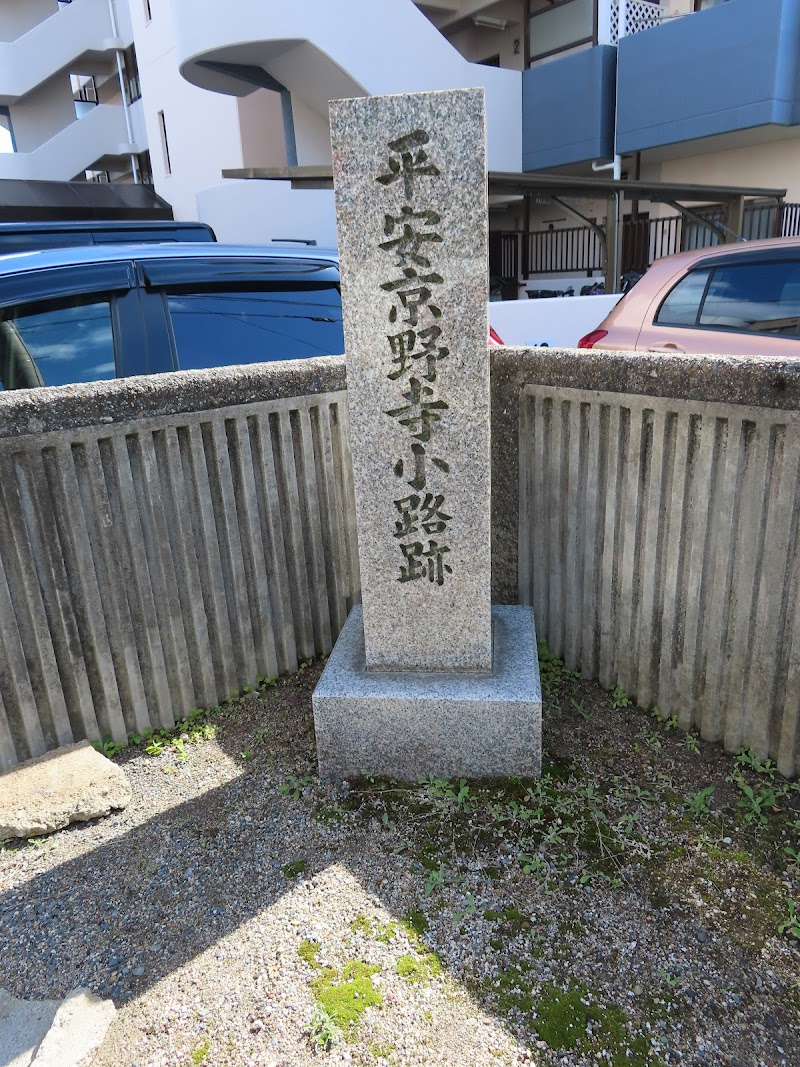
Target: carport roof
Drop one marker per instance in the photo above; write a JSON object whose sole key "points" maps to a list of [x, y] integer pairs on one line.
{"points": [[510, 184], [23, 200]]}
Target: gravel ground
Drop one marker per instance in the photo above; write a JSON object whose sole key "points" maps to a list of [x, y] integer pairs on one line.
{"points": [[241, 912]]}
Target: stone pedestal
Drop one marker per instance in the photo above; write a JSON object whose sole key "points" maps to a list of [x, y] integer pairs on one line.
{"points": [[410, 724]]}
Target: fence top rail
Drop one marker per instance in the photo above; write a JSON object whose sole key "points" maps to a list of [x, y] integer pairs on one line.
{"points": [[35, 411], [754, 381]]}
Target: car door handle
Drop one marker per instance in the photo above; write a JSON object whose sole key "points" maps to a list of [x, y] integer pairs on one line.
{"points": [[668, 346]]}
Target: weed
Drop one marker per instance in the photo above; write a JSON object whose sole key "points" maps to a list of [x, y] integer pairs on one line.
{"points": [[580, 707], [698, 802], [108, 747], [619, 698], [200, 1052], [246, 753], [671, 980], [745, 758], [791, 924], [755, 802], [534, 864], [294, 870], [324, 1032], [691, 742], [293, 787], [434, 880]]}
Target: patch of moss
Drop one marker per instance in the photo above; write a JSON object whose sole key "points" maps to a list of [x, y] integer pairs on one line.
{"points": [[419, 968], [294, 870], [346, 996], [569, 1019], [414, 922], [385, 932], [307, 951]]}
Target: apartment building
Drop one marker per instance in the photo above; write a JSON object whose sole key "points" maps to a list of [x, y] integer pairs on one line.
{"points": [[176, 91]]}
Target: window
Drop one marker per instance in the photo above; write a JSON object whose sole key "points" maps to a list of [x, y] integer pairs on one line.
{"points": [[162, 125], [682, 305], [755, 297], [223, 326], [56, 343], [131, 75]]}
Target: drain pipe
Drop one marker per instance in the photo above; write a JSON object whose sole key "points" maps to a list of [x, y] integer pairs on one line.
{"points": [[121, 76], [616, 164]]}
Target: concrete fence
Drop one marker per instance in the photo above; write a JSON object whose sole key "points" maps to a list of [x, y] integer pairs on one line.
{"points": [[151, 564], [165, 540]]}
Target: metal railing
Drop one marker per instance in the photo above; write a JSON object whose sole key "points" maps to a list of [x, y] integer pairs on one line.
{"points": [[578, 248]]}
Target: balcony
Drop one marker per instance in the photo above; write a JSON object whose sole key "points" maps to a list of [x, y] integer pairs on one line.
{"points": [[319, 52], [78, 37], [717, 73], [99, 136], [568, 109]]}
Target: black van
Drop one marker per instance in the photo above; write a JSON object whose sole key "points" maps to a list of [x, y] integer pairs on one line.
{"points": [[28, 236]]}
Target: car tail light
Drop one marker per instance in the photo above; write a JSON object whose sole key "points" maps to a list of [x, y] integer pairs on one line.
{"points": [[591, 339], [493, 338]]}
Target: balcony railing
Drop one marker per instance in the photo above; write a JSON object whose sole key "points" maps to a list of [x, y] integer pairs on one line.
{"points": [[578, 249], [568, 24]]}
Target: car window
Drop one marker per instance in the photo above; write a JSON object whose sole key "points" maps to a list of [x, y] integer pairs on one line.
{"points": [[682, 304], [756, 297], [235, 324], [56, 343]]}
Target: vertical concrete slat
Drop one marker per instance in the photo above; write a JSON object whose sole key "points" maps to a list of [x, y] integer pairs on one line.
{"points": [[39, 502], [768, 625], [132, 521], [24, 578], [526, 520], [608, 591], [275, 549], [95, 618], [8, 751], [291, 516], [651, 588], [629, 520], [752, 485], [554, 492], [178, 513], [575, 516], [259, 595], [25, 726], [724, 522], [308, 475], [333, 522], [694, 584], [593, 543], [340, 419], [212, 576], [674, 520], [159, 535], [229, 539], [107, 549]]}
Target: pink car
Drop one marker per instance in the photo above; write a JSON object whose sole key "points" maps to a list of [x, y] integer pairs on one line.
{"points": [[738, 299]]}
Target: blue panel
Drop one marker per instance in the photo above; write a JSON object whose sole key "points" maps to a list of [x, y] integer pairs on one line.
{"points": [[732, 67], [568, 109]]}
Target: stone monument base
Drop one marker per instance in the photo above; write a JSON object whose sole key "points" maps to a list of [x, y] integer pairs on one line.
{"points": [[408, 725]]}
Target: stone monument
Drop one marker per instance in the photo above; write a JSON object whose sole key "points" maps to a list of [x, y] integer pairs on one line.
{"points": [[426, 677]]}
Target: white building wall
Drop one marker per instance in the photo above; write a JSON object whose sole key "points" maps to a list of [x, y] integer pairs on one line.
{"points": [[203, 128], [43, 113], [19, 16]]}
